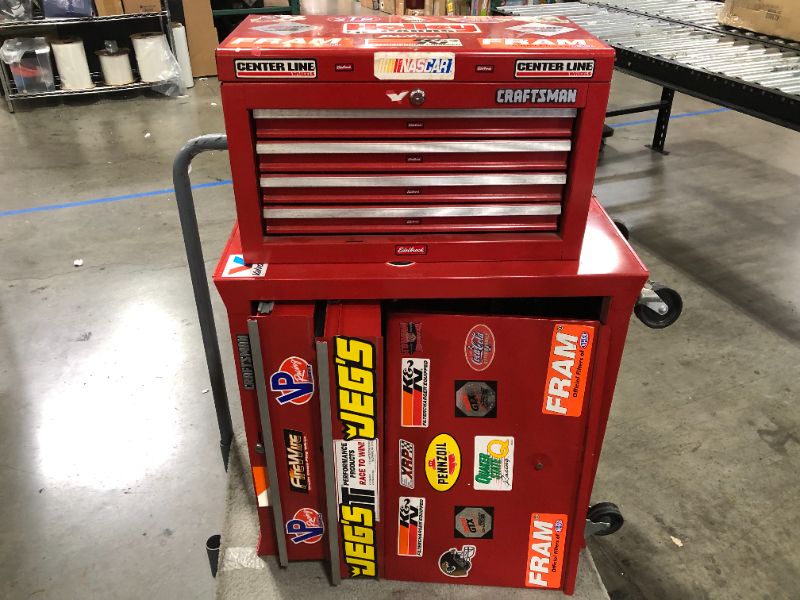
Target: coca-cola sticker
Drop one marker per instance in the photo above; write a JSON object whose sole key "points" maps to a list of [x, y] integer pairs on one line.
{"points": [[479, 347]]}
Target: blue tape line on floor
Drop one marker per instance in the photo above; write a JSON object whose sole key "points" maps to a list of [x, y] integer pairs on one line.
{"points": [[163, 192], [698, 113]]}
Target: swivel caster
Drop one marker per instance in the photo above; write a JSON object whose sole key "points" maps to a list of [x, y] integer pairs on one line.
{"points": [[658, 306], [623, 229], [603, 518]]}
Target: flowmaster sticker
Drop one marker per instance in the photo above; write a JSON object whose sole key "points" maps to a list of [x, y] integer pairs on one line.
{"points": [[411, 526], [306, 527], [421, 28], [494, 463], [294, 381], [357, 471], [407, 464], [479, 347], [236, 267], [476, 399], [438, 66], [473, 522], [415, 386], [457, 563], [526, 68], [568, 369], [276, 69], [442, 462], [546, 539]]}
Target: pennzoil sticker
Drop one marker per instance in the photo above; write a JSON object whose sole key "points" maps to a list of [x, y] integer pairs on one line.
{"points": [[407, 464], [457, 563], [414, 392], [526, 69], [443, 462], [568, 369], [276, 69], [546, 540], [494, 463], [440, 66], [479, 347], [305, 527], [236, 267], [354, 374], [420, 28], [410, 526]]}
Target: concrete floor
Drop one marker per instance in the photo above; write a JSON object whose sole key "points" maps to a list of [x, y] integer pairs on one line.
{"points": [[110, 477]]}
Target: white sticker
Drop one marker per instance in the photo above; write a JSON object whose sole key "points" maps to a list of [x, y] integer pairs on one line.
{"points": [[439, 66], [410, 526], [236, 267], [357, 473], [494, 462], [542, 29], [284, 28], [407, 464], [413, 42], [305, 68], [386, 27], [533, 68]]}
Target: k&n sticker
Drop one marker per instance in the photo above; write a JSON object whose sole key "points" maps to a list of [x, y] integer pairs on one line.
{"points": [[411, 526], [568, 369], [415, 387]]}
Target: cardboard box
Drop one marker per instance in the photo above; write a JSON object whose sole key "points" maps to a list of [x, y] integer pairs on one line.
{"points": [[780, 18], [108, 8], [201, 36], [141, 6], [387, 6]]}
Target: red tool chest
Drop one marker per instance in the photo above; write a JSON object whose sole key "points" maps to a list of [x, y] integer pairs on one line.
{"points": [[369, 138]]}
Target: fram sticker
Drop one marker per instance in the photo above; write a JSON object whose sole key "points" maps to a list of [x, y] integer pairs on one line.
{"points": [[494, 463], [442, 462], [415, 65], [546, 539], [476, 399], [411, 526], [306, 527], [553, 68], [414, 392], [294, 381], [297, 460], [407, 464], [236, 267], [540, 43], [294, 42], [356, 381], [276, 69], [424, 27], [479, 348], [457, 563], [473, 522], [568, 369]]}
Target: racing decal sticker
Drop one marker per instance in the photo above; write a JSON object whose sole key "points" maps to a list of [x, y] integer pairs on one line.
{"points": [[411, 526], [457, 563], [473, 522], [294, 381], [438, 66], [407, 464], [276, 69], [479, 347], [421, 28], [476, 399], [236, 267], [568, 369], [355, 379], [306, 527], [494, 463], [297, 460], [411, 337], [358, 534], [411, 42], [553, 68], [536, 96], [546, 540], [540, 43], [415, 387], [443, 462], [295, 42], [545, 29], [357, 470]]}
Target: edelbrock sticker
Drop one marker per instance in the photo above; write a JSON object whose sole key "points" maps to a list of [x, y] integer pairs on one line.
{"points": [[494, 463], [546, 539], [411, 526], [414, 392], [407, 464], [527, 68], [276, 69], [440, 66]]}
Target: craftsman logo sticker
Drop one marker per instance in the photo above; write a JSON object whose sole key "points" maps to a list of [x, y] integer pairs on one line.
{"points": [[568, 369], [246, 362], [410, 337], [412, 42], [297, 460], [357, 470], [546, 539], [411, 526], [354, 362], [553, 68], [236, 267], [540, 43], [284, 42], [536, 96], [545, 29], [473, 522], [414, 392], [407, 464], [306, 527], [494, 463], [294, 381], [415, 65], [276, 69], [442, 462], [422, 28], [479, 347], [457, 563], [476, 399]]}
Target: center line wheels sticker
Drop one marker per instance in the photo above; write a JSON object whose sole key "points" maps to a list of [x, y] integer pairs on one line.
{"points": [[411, 526], [546, 539], [294, 381], [442, 462], [457, 563], [479, 347], [306, 527], [414, 392], [473, 522], [494, 463], [476, 399]]}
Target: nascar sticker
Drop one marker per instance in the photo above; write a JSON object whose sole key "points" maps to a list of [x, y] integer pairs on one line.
{"points": [[357, 470], [473, 522], [236, 267], [443, 462], [546, 549], [494, 463], [526, 68], [401, 28], [294, 381], [356, 380], [305, 527], [411, 526], [438, 66], [407, 464], [414, 392], [479, 347], [276, 69], [568, 369]]}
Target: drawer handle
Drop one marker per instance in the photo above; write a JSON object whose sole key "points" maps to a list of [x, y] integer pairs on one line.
{"points": [[416, 180], [488, 210]]}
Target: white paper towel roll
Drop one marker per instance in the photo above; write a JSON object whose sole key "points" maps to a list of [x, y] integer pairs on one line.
{"points": [[182, 52], [153, 56], [116, 66], [73, 70]]}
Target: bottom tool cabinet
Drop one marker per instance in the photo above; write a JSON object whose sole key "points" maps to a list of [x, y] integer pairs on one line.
{"points": [[435, 422]]}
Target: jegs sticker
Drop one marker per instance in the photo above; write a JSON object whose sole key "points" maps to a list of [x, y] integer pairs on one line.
{"points": [[438, 66], [473, 522], [526, 69], [276, 69], [411, 526], [356, 381], [479, 347], [546, 539], [457, 563], [494, 463], [407, 464], [443, 462], [294, 381], [422, 28], [414, 397], [568, 369], [236, 267], [357, 470], [410, 337], [476, 399], [306, 527], [297, 460]]}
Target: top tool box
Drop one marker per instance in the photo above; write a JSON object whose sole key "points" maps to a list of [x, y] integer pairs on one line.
{"points": [[442, 138]]}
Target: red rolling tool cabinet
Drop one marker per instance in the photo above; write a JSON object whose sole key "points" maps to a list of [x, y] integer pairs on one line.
{"points": [[437, 138]]}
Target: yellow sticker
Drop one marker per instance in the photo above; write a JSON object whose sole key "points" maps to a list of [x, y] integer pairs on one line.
{"points": [[443, 462]]}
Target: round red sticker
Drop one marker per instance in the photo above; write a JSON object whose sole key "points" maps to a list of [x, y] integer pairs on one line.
{"points": [[479, 347]]}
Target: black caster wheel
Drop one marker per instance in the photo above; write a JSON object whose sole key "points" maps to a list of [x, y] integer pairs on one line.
{"points": [[623, 229], [651, 318], [606, 512]]}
